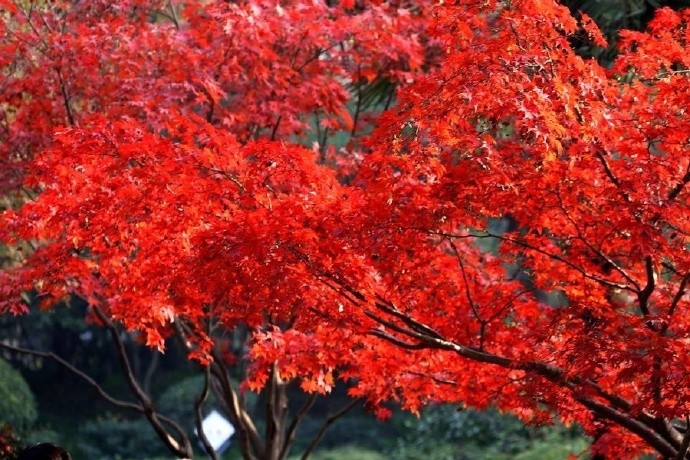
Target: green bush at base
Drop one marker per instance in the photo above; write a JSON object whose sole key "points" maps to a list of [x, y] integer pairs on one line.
{"points": [[17, 402]]}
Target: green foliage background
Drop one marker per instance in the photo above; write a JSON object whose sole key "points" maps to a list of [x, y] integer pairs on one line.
{"points": [[17, 402]]}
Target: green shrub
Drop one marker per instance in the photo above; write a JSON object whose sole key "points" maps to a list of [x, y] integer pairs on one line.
{"points": [[17, 402], [444, 433], [347, 453], [115, 438], [177, 401]]}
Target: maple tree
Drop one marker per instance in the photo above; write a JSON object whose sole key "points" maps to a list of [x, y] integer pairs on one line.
{"points": [[174, 197], [218, 89]]}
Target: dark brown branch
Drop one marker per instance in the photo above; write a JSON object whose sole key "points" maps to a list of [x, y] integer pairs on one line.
{"points": [[274, 131], [198, 402], [296, 420], [358, 107], [644, 294], [468, 294], [180, 448], [643, 424], [211, 103], [612, 177], [101, 392], [249, 436], [65, 98], [329, 421], [396, 341], [340, 291], [332, 276], [393, 326], [230, 406], [508, 303], [525, 245], [674, 303], [675, 191], [151, 370], [276, 410], [645, 427], [173, 15], [650, 436], [592, 248], [685, 444], [390, 308], [438, 380], [389, 99], [89, 380]]}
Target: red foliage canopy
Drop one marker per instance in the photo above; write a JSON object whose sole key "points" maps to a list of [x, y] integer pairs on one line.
{"points": [[186, 198]]}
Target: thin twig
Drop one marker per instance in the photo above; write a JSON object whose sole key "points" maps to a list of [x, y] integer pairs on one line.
{"points": [[329, 421]]}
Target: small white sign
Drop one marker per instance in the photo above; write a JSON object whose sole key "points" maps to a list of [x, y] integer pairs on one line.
{"points": [[218, 430]]}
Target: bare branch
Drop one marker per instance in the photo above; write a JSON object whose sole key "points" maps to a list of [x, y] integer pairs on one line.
{"points": [[329, 421], [237, 411], [222, 387], [274, 131], [358, 106], [198, 401], [434, 378], [276, 410], [90, 381], [181, 448], [390, 308], [151, 370], [296, 420], [101, 392]]}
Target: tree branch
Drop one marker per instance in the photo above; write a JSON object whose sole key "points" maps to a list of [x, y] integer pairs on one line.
{"points": [[468, 294], [683, 450], [247, 432], [650, 436], [525, 245], [180, 448], [276, 410], [329, 421], [592, 248], [198, 401], [65, 98], [675, 191], [612, 177], [101, 392], [173, 15], [644, 294], [674, 303], [90, 381], [296, 420]]}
